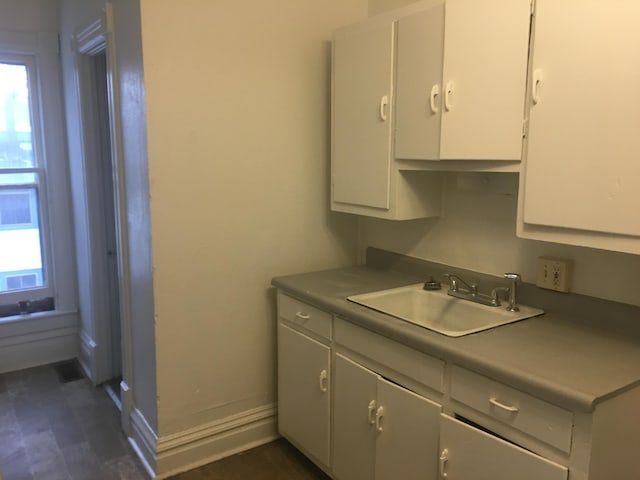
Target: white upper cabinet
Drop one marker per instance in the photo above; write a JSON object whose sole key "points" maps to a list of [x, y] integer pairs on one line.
{"points": [[581, 183], [362, 109], [461, 81], [434, 80], [419, 83]]}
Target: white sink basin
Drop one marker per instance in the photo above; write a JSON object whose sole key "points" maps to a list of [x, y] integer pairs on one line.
{"points": [[440, 312]]}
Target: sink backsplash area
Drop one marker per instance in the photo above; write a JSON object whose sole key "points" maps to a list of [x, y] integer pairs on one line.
{"points": [[613, 316]]}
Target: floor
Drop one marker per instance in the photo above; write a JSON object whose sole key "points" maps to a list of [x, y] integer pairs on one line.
{"points": [[53, 428], [274, 461], [57, 427]]}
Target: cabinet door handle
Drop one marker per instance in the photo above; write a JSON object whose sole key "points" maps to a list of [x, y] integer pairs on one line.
{"points": [[372, 409], [509, 408], [323, 381], [379, 416], [535, 84], [384, 103], [447, 94], [442, 465], [303, 316], [435, 91]]}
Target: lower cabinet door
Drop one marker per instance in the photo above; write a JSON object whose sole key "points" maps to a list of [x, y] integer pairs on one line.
{"points": [[468, 453], [303, 392], [408, 434], [354, 434]]}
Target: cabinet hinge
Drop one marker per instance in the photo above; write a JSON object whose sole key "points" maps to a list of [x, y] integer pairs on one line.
{"points": [[525, 128]]}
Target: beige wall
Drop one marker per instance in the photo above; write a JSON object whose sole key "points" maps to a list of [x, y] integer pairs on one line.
{"points": [[378, 6], [238, 135]]}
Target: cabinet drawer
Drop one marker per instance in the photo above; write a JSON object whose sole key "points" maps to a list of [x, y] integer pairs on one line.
{"points": [[521, 411], [304, 315], [406, 361]]}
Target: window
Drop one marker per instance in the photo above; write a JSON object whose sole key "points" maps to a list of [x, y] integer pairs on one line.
{"points": [[18, 208], [36, 215], [22, 242], [20, 282]]}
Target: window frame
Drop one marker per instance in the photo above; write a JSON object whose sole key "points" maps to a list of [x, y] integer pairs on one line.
{"points": [[40, 52], [40, 184]]}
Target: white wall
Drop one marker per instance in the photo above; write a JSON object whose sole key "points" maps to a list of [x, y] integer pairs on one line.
{"points": [[29, 15], [238, 101], [477, 232]]}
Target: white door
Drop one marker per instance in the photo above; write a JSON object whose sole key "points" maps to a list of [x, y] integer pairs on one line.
{"points": [[362, 107], [408, 434], [419, 85], [583, 168], [354, 433], [303, 392], [467, 453], [484, 80]]}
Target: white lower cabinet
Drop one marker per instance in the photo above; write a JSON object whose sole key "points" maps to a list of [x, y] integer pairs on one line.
{"points": [[381, 430], [467, 453], [304, 393], [347, 399]]}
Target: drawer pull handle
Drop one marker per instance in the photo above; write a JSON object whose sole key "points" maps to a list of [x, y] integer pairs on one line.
{"points": [[303, 316], [372, 410], [323, 381], [509, 408], [444, 456], [379, 416]]}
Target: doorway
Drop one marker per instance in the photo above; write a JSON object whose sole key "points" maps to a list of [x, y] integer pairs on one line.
{"points": [[106, 203], [105, 323]]}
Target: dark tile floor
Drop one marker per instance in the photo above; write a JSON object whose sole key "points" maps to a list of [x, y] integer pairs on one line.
{"points": [[50, 430], [274, 461]]}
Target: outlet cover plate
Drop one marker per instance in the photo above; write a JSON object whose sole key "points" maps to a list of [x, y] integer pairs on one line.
{"points": [[554, 273]]}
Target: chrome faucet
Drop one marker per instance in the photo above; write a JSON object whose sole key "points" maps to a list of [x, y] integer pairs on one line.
{"points": [[470, 291]]}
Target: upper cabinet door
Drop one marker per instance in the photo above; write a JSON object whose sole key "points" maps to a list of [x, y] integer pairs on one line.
{"points": [[419, 84], [583, 156], [362, 108], [484, 80]]}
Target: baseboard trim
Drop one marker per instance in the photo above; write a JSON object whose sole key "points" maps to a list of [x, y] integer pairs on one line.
{"points": [[218, 439], [144, 441], [87, 354], [38, 339]]}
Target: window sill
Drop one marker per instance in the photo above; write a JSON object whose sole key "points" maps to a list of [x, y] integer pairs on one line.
{"points": [[31, 323]]}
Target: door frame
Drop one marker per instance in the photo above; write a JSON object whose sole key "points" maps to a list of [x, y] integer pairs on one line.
{"points": [[93, 39]]}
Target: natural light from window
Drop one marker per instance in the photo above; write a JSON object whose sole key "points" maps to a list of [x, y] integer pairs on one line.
{"points": [[21, 265]]}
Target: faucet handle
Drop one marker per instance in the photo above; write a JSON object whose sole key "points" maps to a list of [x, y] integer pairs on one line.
{"points": [[513, 276]]}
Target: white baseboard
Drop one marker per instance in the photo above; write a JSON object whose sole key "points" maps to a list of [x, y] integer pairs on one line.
{"points": [[144, 441], [198, 446], [87, 354], [37, 339]]}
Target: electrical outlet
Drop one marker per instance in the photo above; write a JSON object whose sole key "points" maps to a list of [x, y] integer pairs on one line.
{"points": [[554, 273]]}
